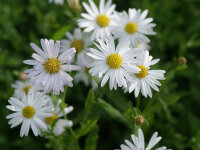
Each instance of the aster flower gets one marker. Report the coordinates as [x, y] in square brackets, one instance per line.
[24, 86]
[113, 63]
[83, 61]
[79, 40]
[146, 78]
[50, 66]
[57, 2]
[134, 26]
[30, 111]
[139, 143]
[60, 125]
[97, 21]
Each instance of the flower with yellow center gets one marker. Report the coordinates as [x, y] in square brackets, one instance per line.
[21, 87]
[30, 111]
[134, 26]
[131, 28]
[78, 45]
[79, 40]
[114, 61]
[103, 20]
[143, 73]
[98, 21]
[26, 89]
[49, 120]
[52, 65]
[146, 78]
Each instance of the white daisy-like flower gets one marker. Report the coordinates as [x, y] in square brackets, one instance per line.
[50, 67]
[146, 78]
[24, 86]
[30, 111]
[60, 125]
[113, 63]
[134, 26]
[139, 142]
[98, 21]
[57, 2]
[83, 76]
[79, 40]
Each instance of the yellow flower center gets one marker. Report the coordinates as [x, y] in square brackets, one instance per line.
[49, 120]
[102, 20]
[86, 69]
[78, 45]
[114, 61]
[28, 112]
[26, 89]
[131, 28]
[52, 65]
[143, 73]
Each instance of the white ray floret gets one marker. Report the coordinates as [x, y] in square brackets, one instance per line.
[146, 78]
[113, 63]
[138, 143]
[134, 26]
[50, 67]
[83, 75]
[98, 21]
[79, 40]
[30, 111]
[57, 114]
[25, 86]
[57, 2]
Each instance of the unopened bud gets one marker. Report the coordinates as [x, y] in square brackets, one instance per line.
[22, 76]
[182, 61]
[74, 4]
[139, 120]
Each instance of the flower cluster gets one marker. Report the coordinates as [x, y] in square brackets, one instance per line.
[113, 48]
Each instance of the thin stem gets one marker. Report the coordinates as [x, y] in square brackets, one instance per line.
[138, 101]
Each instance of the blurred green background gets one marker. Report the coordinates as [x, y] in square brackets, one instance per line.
[175, 115]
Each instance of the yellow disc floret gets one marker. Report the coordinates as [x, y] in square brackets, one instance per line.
[131, 28]
[86, 69]
[114, 61]
[26, 89]
[52, 65]
[143, 73]
[78, 45]
[28, 112]
[49, 120]
[102, 20]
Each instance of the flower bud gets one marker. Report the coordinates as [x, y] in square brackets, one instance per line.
[139, 120]
[22, 76]
[74, 4]
[182, 60]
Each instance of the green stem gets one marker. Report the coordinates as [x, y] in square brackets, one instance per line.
[138, 101]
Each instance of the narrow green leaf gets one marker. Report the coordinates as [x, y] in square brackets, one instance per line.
[113, 112]
[91, 140]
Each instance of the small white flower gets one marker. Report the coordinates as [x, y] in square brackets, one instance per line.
[97, 21]
[113, 62]
[25, 86]
[50, 66]
[30, 111]
[57, 2]
[139, 143]
[83, 61]
[80, 41]
[146, 78]
[134, 26]
[60, 125]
